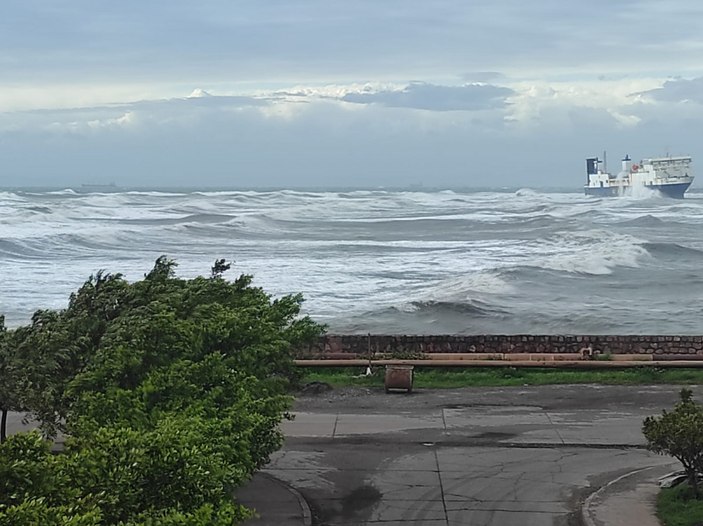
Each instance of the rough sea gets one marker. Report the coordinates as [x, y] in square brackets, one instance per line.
[402, 262]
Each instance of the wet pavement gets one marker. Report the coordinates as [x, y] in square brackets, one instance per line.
[628, 500]
[489, 456]
[274, 502]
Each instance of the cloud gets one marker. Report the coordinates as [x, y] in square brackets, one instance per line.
[482, 76]
[198, 93]
[92, 125]
[423, 96]
[224, 43]
[678, 90]
[92, 118]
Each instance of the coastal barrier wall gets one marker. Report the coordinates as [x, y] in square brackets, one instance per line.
[336, 346]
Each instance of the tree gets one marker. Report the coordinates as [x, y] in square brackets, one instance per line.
[171, 392]
[679, 433]
[23, 467]
[220, 267]
[10, 390]
[6, 374]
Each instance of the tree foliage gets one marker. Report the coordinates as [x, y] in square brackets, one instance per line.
[679, 433]
[8, 387]
[171, 392]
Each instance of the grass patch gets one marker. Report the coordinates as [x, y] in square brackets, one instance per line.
[343, 376]
[677, 507]
[438, 377]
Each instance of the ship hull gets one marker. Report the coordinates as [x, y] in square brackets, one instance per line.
[675, 191]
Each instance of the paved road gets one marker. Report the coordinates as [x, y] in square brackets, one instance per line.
[508, 456]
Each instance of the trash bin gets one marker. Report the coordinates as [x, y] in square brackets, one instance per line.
[399, 377]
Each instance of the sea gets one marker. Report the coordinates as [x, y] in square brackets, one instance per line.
[382, 261]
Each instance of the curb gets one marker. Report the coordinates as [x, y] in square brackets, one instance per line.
[585, 509]
[307, 514]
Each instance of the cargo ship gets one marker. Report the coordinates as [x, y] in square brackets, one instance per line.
[671, 176]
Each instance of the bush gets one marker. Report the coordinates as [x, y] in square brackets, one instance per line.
[679, 433]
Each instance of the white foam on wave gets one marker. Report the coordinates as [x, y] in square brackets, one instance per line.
[467, 285]
[146, 193]
[11, 196]
[65, 191]
[640, 192]
[461, 289]
[228, 193]
[594, 252]
[526, 192]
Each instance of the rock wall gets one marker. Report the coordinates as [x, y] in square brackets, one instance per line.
[361, 344]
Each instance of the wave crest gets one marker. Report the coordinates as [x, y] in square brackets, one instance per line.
[593, 252]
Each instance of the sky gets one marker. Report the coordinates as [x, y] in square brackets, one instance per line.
[331, 93]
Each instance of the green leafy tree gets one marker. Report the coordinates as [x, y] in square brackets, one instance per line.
[171, 392]
[7, 390]
[12, 369]
[23, 467]
[679, 433]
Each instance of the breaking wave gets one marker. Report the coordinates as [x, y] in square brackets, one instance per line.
[672, 249]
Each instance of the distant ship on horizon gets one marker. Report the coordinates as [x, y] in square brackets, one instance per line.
[671, 176]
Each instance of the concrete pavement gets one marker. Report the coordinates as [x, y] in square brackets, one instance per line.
[509, 456]
[628, 500]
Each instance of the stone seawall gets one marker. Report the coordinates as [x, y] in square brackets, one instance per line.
[361, 344]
